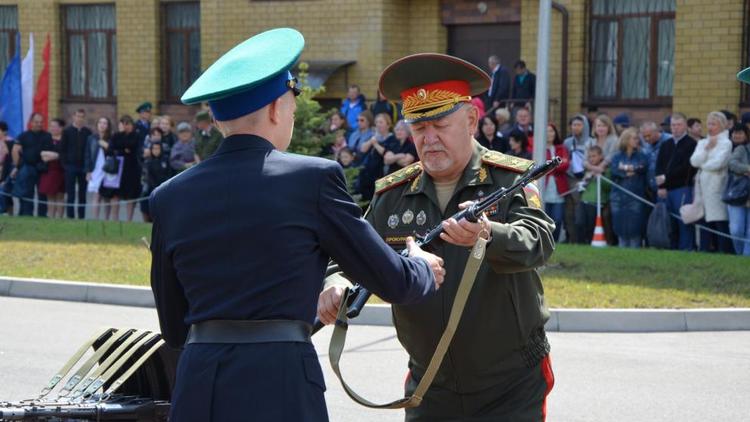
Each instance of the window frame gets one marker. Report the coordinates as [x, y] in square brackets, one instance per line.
[654, 100]
[66, 35]
[167, 98]
[12, 33]
[744, 88]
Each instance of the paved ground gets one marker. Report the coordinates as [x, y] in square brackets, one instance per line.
[600, 377]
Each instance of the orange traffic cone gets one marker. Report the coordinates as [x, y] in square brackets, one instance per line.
[599, 241]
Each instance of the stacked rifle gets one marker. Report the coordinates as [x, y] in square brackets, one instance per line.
[118, 374]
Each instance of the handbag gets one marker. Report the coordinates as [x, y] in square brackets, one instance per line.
[690, 213]
[111, 165]
[42, 167]
[737, 191]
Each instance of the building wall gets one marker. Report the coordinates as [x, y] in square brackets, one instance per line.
[708, 55]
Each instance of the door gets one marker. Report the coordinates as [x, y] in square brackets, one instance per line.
[475, 43]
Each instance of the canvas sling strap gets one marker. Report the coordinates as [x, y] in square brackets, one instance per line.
[73, 360]
[134, 367]
[118, 364]
[338, 338]
[86, 366]
[103, 366]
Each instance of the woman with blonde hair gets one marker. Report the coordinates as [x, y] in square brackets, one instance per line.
[711, 158]
[603, 135]
[628, 169]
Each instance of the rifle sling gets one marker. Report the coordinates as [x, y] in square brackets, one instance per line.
[109, 373]
[124, 377]
[338, 339]
[82, 386]
[86, 367]
[72, 361]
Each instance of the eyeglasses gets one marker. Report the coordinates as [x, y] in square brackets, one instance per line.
[292, 84]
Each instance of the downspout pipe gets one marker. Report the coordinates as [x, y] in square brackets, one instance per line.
[563, 69]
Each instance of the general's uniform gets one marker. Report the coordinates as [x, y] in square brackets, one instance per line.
[497, 366]
[244, 238]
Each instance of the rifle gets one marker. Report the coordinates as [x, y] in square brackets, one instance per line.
[358, 295]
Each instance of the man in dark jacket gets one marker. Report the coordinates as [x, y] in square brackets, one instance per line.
[27, 161]
[674, 178]
[73, 147]
[241, 291]
[524, 84]
[500, 86]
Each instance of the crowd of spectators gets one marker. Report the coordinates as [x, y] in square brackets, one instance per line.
[66, 165]
[675, 163]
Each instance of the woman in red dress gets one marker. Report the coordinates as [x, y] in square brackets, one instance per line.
[52, 181]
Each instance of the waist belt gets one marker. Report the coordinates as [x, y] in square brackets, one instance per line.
[244, 331]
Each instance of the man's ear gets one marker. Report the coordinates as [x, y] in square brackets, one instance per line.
[274, 110]
[473, 120]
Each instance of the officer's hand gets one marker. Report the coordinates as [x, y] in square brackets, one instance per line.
[328, 304]
[464, 232]
[436, 262]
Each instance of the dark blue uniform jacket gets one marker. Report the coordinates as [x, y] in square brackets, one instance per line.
[247, 234]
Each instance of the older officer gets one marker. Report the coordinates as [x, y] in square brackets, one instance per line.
[497, 366]
[240, 245]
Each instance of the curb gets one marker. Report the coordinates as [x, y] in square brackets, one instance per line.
[561, 320]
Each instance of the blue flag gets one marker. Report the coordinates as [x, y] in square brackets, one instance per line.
[11, 108]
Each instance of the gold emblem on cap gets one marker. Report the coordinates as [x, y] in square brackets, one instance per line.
[434, 101]
[422, 94]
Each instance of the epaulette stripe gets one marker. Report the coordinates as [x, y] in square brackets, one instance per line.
[398, 178]
[508, 162]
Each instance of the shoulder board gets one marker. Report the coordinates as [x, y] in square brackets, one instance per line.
[505, 161]
[398, 178]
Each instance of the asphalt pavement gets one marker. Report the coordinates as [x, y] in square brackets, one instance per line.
[692, 376]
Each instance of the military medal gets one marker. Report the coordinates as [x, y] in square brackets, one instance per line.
[393, 221]
[480, 194]
[408, 217]
[421, 218]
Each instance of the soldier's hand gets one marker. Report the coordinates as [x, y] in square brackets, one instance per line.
[464, 232]
[436, 262]
[328, 304]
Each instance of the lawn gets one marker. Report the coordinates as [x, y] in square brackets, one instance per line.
[576, 276]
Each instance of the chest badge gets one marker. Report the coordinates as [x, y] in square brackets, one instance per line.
[393, 221]
[421, 218]
[408, 217]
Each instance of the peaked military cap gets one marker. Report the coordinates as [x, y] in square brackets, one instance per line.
[744, 76]
[432, 85]
[250, 75]
[147, 106]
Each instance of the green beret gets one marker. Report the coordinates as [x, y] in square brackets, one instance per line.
[203, 116]
[147, 106]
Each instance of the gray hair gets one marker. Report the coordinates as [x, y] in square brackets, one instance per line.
[649, 125]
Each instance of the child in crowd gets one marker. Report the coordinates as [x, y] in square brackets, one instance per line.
[157, 171]
[154, 135]
[587, 207]
[345, 158]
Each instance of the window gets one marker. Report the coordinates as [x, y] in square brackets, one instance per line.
[631, 51]
[745, 98]
[182, 52]
[90, 52]
[8, 30]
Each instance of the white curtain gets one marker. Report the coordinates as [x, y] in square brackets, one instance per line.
[666, 58]
[635, 57]
[183, 71]
[605, 59]
[8, 26]
[90, 71]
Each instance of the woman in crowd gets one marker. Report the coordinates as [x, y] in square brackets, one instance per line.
[488, 135]
[556, 182]
[711, 158]
[94, 161]
[739, 165]
[360, 136]
[373, 150]
[604, 136]
[52, 181]
[628, 168]
[168, 137]
[183, 156]
[519, 145]
[335, 122]
[124, 147]
[400, 149]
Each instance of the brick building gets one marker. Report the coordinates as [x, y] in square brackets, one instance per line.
[644, 56]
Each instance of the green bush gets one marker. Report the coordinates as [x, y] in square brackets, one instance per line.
[308, 139]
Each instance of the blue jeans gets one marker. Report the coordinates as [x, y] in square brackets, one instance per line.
[683, 235]
[23, 188]
[75, 176]
[739, 226]
[557, 213]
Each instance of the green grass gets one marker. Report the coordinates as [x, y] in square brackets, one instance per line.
[576, 276]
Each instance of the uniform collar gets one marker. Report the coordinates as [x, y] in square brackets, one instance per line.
[243, 142]
[476, 173]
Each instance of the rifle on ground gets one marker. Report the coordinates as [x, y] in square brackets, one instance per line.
[358, 295]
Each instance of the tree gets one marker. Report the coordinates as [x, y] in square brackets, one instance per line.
[308, 139]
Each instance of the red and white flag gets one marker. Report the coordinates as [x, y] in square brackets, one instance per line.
[41, 97]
